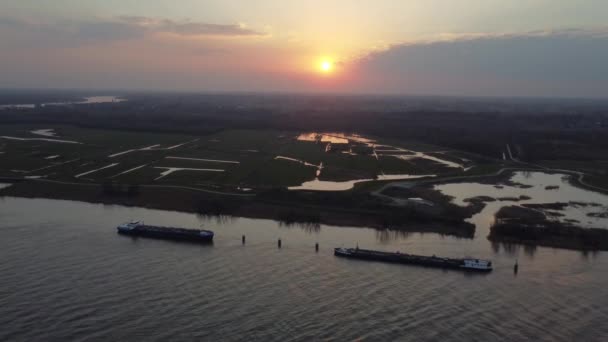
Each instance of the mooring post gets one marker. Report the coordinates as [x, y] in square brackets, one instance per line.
[279, 243]
[515, 267]
[243, 239]
[316, 247]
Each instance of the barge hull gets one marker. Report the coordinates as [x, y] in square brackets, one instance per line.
[409, 259]
[167, 233]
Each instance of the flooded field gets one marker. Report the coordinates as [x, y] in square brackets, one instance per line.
[584, 207]
[248, 159]
[364, 146]
[319, 185]
[334, 138]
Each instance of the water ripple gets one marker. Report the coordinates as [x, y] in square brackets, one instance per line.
[62, 280]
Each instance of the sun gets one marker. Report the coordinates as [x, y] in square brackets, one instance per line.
[326, 66]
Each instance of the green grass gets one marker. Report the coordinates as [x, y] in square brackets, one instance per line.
[254, 149]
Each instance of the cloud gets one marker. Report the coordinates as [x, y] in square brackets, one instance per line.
[562, 63]
[188, 28]
[71, 33]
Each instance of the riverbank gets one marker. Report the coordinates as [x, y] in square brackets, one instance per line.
[530, 226]
[413, 206]
[501, 176]
[309, 209]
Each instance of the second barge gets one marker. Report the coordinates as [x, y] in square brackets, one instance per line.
[467, 264]
[170, 233]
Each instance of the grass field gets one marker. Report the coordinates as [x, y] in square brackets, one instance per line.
[228, 159]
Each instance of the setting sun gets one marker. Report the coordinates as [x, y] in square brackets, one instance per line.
[326, 66]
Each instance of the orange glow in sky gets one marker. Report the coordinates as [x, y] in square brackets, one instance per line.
[326, 66]
[382, 46]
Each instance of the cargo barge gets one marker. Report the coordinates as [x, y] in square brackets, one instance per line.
[466, 264]
[170, 233]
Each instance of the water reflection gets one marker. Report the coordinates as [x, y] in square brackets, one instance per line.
[319, 185]
[589, 254]
[333, 138]
[307, 227]
[513, 249]
[531, 188]
[65, 266]
[218, 219]
[386, 236]
[530, 250]
[135, 240]
[370, 148]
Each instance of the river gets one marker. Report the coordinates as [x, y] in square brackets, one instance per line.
[67, 275]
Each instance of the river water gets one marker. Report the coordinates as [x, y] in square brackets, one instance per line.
[582, 203]
[67, 276]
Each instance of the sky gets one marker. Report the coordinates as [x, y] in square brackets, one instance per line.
[556, 48]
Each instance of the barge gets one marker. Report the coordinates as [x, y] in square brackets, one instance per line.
[170, 233]
[466, 264]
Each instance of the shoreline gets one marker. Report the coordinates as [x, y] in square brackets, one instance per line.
[575, 178]
[307, 209]
[261, 206]
[531, 225]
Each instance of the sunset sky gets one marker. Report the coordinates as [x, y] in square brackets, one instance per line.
[444, 47]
